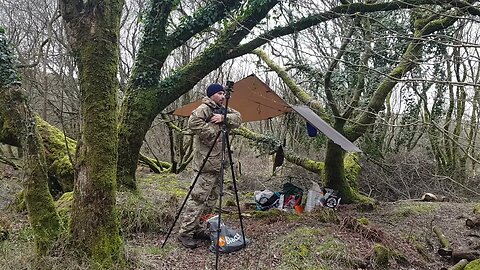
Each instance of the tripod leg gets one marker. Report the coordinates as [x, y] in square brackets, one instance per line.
[222, 173]
[235, 189]
[191, 188]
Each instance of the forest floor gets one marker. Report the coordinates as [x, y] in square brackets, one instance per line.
[349, 238]
[292, 241]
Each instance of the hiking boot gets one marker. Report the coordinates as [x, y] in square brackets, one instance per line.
[201, 235]
[188, 242]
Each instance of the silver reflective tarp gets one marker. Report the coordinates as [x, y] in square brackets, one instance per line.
[325, 128]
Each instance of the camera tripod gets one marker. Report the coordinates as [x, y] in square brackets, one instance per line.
[223, 133]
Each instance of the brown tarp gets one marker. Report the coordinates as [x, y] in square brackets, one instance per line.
[256, 101]
[252, 98]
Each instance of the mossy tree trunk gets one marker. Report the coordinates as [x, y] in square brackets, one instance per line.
[147, 96]
[93, 30]
[17, 116]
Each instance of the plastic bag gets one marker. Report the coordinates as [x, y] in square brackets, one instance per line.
[325, 197]
[230, 240]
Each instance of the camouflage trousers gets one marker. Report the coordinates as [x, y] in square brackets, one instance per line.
[202, 200]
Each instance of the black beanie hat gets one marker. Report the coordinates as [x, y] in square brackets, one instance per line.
[213, 88]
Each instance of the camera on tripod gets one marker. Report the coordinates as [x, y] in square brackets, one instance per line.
[228, 89]
[229, 86]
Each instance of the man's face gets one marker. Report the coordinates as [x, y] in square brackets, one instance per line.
[219, 97]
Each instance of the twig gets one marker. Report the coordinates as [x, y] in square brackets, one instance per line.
[7, 161]
[441, 237]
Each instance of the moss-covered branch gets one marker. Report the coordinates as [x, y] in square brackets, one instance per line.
[269, 144]
[42, 215]
[214, 55]
[59, 151]
[201, 19]
[155, 165]
[156, 44]
[300, 93]
[335, 12]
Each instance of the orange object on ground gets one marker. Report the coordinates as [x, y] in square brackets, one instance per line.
[298, 209]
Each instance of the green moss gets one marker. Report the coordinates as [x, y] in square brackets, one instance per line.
[64, 208]
[381, 256]
[332, 249]
[298, 250]
[250, 194]
[63, 170]
[364, 203]
[352, 169]
[295, 217]
[343, 177]
[315, 166]
[168, 183]
[156, 250]
[406, 210]
[138, 214]
[153, 207]
[473, 265]
[476, 208]
[363, 220]
[40, 206]
[46, 223]
[26, 234]
[107, 251]
[60, 149]
[325, 215]
[136, 115]
[310, 248]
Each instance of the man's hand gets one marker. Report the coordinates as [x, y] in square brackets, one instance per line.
[216, 118]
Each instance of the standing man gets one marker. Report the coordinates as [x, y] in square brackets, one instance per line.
[206, 122]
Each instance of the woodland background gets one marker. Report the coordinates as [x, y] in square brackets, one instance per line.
[87, 87]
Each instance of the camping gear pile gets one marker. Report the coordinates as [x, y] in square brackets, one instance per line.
[291, 198]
